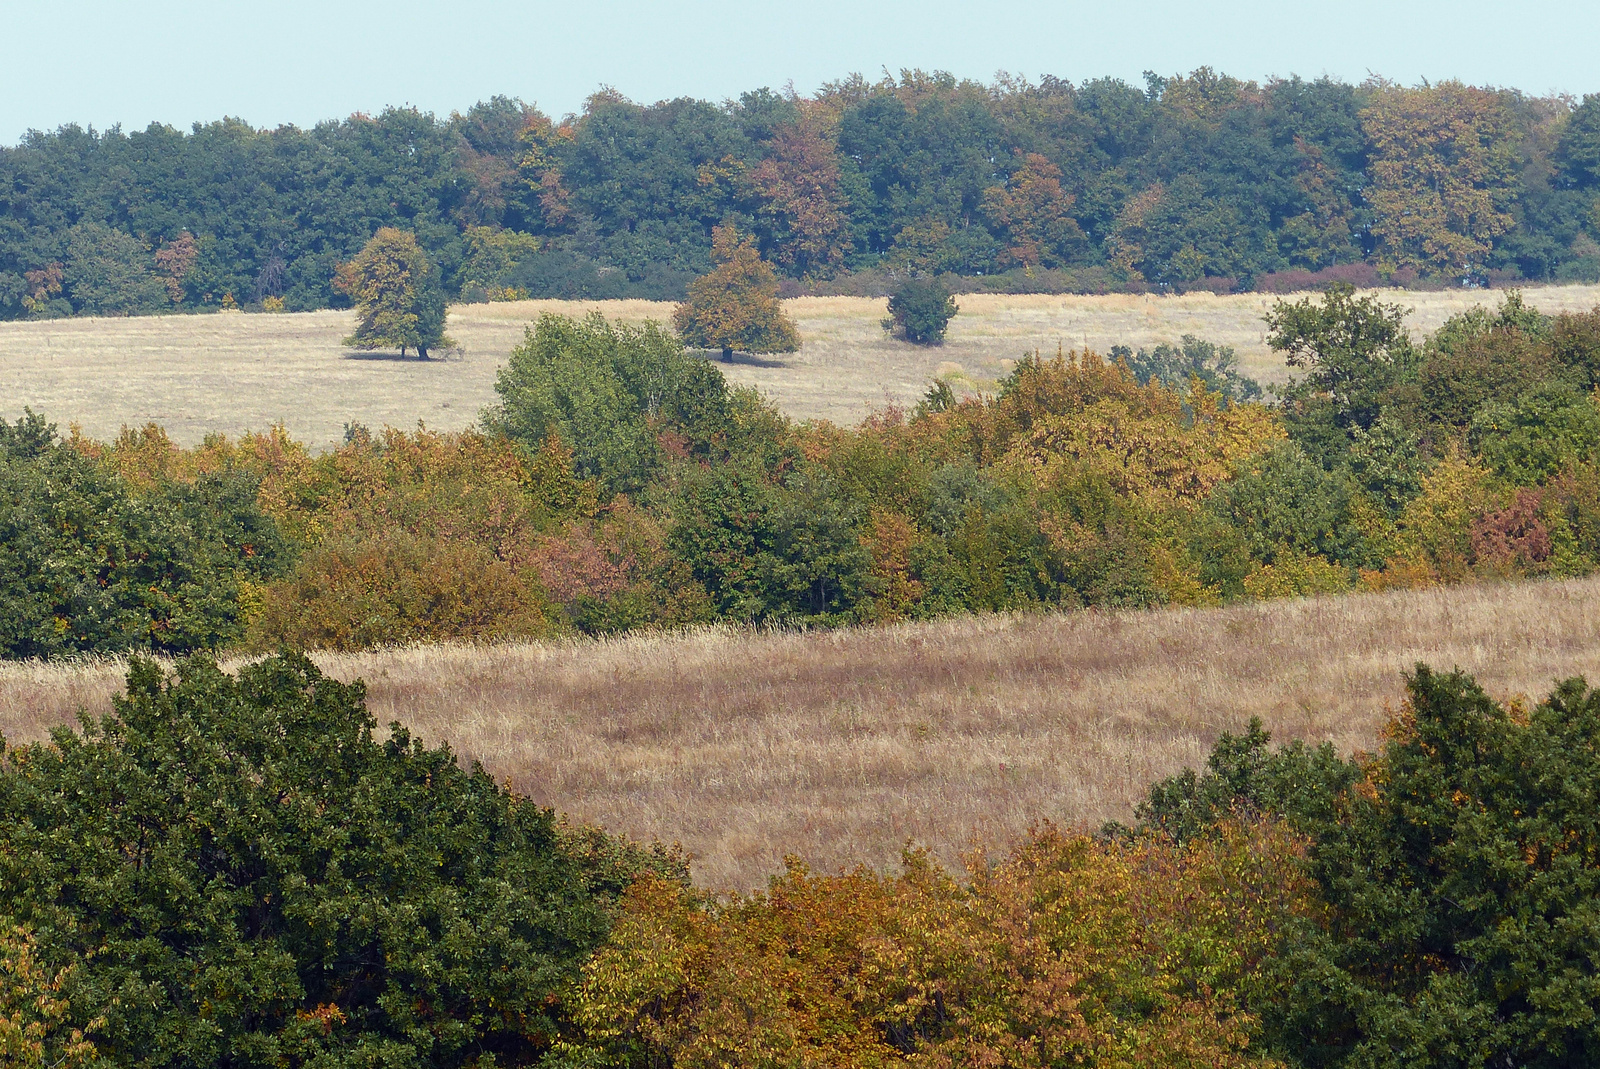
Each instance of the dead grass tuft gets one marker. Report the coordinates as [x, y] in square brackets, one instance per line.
[843, 746]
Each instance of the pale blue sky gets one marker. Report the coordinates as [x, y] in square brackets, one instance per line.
[296, 61]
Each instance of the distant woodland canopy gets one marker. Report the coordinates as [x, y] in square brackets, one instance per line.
[1194, 181]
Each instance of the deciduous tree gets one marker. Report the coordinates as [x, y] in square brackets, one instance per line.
[397, 294]
[1443, 174]
[736, 305]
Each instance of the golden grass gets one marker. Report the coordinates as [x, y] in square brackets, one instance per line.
[232, 372]
[841, 746]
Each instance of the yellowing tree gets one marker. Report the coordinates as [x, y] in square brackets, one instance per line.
[736, 305]
[397, 295]
[1443, 170]
[1034, 213]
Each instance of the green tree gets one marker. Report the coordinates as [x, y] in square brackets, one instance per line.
[736, 306]
[920, 310]
[399, 300]
[614, 392]
[1354, 350]
[88, 565]
[244, 875]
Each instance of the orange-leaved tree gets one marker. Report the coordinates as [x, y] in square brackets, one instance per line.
[1068, 951]
[736, 305]
[397, 295]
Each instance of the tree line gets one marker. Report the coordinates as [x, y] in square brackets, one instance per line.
[620, 482]
[1197, 180]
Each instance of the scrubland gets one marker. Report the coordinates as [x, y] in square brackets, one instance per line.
[231, 373]
[842, 746]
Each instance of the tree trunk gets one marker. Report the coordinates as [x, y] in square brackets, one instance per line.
[727, 353]
[422, 351]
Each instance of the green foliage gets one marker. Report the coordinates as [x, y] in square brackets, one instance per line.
[920, 310]
[777, 551]
[1217, 367]
[1461, 878]
[1354, 349]
[243, 875]
[107, 272]
[1284, 502]
[1243, 778]
[612, 391]
[398, 298]
[89, 565]
[1189, 181]
[1458, 869]
[1536, 435]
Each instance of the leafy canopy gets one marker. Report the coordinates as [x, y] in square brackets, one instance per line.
[245, 875]
[398, 296]
[920, 310]
[735, 307]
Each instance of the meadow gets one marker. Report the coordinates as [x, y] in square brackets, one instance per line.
[232, 372]
[841, 747]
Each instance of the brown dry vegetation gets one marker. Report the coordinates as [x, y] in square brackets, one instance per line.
[233, 372]
[841, 746]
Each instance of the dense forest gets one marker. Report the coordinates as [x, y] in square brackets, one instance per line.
[1191, 181]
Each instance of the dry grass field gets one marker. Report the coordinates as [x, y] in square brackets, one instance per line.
[235, 372]
[842, 746]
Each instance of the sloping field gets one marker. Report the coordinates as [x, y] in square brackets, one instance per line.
[842, 746]
[235, 372]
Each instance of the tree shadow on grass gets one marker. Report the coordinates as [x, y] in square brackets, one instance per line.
[409, 358]
[748, 359]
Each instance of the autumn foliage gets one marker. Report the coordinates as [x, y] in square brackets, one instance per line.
[1069, 950]
[736, 306]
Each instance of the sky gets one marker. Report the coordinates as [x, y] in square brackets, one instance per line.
[294, 61]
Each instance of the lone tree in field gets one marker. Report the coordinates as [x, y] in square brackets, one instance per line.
[736, 305]
[397, 295]
[920, 310]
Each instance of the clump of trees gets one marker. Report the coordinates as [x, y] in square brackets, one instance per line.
[398, 298]
[735, 307]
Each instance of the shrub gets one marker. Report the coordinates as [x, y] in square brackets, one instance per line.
[920, 310]
[243, 875]
[392, 589]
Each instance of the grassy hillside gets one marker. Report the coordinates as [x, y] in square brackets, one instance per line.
[842, 746]
[232, 372]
